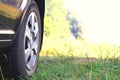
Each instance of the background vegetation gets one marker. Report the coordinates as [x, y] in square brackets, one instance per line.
[65, 57]
[59, 38]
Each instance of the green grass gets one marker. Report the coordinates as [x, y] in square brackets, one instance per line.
[74, 68]
[71, 59]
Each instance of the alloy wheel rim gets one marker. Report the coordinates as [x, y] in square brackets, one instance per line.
[31, 41]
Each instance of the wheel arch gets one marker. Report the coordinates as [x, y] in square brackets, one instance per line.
[41, 6]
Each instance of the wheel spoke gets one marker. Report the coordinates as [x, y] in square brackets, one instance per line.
[27, 54]
[29, 65]
[32, 20]
[35, 45]
[35, 31]
[32, 60]
[28, 33]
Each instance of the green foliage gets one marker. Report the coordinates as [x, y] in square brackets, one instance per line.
[74, 68]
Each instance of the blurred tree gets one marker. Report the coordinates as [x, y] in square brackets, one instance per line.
[49, 7]
[55, 23]
[75, 25]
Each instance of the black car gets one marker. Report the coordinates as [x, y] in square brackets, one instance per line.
[21, 34]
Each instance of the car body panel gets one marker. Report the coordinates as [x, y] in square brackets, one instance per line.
[11, 16]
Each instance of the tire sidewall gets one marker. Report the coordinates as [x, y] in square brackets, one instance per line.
[20, 40]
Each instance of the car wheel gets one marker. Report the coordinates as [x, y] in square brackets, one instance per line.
[23, 57]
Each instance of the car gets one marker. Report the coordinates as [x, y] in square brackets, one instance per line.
[21, 35]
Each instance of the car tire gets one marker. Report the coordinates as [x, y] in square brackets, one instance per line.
[24, 53]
